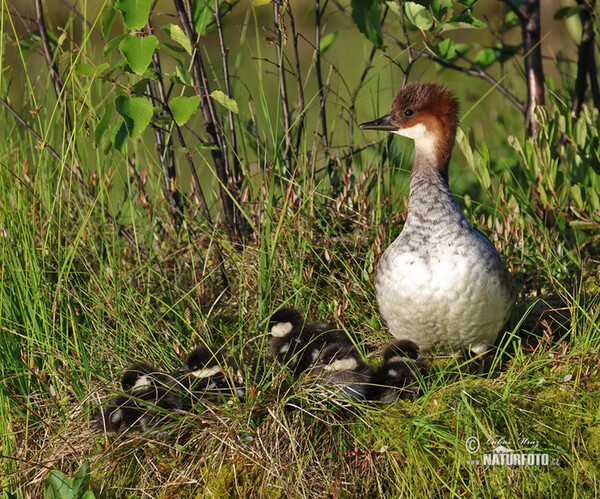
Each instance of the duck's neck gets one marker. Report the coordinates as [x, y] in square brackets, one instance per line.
[430, 199]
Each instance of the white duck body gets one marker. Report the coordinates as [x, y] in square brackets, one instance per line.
[441, 283]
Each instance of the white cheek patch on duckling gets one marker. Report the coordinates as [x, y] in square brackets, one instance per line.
[342, 365]
[398, 358]
[206, 373]
[284, 348]
[141, 382]
[281, 329]
[392, 372]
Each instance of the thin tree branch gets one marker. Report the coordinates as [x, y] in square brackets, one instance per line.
[237, 173]
[277, 19]
[322, 96]
[211, 124]
[298, 76]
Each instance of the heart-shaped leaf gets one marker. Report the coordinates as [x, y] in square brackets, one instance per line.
[418, 15]
[183, 108]
[138, 51]
[58, 486]
[135, 12]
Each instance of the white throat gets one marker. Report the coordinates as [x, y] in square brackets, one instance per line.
[425, 140]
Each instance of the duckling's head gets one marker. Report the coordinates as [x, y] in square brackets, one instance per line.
[285, 321]
[204, 362]
[425, 112]
[404, 349]
[340, 357]
[137, 376]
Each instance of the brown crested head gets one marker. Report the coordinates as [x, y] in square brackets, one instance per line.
[418, 105]
[432, 105]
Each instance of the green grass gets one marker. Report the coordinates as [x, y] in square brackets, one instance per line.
[78, 304]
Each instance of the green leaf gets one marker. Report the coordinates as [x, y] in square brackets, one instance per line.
[58, 486]
[327, 41]
[206, 145]
[511, 21]
[418, 15]
[113, 44]
[177, 35]
[183, 108]
[464, 21]
[88, 495]
[202, 16]
[109, 14]
[81, 480]
[260, 2]
[118, 136]
[565, 12]
[225, 101]
[138, 51]
[135, 12]
[394, 7]
[183, 76]
[136, 111]
[485, 57]
[365, 14]
[175, 51]
[101, 128]
[444, 50]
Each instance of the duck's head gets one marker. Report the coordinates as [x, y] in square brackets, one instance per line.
[425, 112]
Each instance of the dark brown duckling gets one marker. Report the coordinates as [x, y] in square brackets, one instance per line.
[403, 374]
[296, 343]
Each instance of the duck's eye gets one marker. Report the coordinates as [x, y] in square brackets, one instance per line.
[408, 112]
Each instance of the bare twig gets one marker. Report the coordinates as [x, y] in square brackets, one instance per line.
[322, 96]
[165, 149]
[475, 70]
[237, 173]
[532, 48]
[211, 123]
[277, 20]
[298, 76]
[586, 46]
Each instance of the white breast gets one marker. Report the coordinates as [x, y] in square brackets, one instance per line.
[445, 299]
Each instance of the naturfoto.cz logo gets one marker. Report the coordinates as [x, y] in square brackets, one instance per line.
[502, 455]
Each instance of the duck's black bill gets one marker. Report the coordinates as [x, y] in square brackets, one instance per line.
[383, 123]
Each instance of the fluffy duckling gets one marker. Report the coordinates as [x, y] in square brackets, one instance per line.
[143, 381]
[124, 415]
[296, 343]
[209, 373]
[402, 374]
[342, 366]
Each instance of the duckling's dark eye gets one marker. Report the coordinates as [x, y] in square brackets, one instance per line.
[408, 112]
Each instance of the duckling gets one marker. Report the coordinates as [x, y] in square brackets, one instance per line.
[441, 283]
[342, 366]
[296, 343]
[402, 375]
[143, 381]
[124, 415]
[209, 373]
